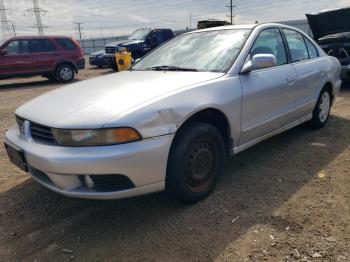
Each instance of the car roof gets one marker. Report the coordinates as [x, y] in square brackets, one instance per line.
[37, 37]
[242, 26]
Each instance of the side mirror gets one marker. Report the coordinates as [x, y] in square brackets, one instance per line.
[259, 61]
[3, 52]
[137, 60]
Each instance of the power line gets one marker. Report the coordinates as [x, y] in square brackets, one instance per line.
[37, 12]
[5, 23]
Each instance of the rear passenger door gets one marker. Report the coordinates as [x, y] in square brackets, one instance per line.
[268, 94]
[307, 64]
[44, 55]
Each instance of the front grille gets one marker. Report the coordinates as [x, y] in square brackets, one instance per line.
[110, 49]
[42, 134]
[110, 183]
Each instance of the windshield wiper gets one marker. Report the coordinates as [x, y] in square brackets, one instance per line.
[171, 68]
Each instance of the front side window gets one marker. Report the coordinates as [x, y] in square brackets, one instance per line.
[13, 48]
[270, 41]
[297, 46]
[311, 48]
[212, 51]
[157, 35]
[18, 47]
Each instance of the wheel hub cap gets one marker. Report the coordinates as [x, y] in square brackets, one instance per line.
[324, 107]
[66, 73]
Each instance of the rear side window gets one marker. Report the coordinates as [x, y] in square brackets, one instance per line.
[41, 46]
[66, 44]
[311, 48]
[270, 41]
[297, 46]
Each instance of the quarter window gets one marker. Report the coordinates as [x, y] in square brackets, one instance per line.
[66, 44]
[297, 46]
[312, 49]
[270, 41]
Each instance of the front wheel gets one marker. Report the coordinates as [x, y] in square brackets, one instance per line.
[195, 162]
[322, 109]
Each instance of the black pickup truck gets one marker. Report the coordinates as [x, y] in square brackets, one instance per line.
[331, 29]
[138, 43]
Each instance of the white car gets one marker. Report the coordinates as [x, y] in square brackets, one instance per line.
[168, 122]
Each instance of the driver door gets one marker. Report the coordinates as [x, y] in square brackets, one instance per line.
[18, 60]
[269, 93]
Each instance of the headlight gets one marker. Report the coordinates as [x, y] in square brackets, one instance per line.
[95, 137]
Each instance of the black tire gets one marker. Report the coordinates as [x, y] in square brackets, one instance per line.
[114, 65]
[64, 73]
[195, 162]
[322, 109]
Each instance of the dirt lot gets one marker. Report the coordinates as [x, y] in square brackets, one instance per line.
[287, 199]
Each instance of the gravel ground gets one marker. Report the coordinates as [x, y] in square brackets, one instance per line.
[286, 199]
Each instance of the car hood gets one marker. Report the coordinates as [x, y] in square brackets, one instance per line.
[329, 22]
[97, 53]
[124, 43]
[93, 103]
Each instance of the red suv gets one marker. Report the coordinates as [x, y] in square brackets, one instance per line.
[57, 58]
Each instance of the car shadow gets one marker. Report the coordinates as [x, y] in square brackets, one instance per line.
[256, 183]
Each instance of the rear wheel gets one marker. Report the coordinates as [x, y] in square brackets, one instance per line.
[65, 73]
[195, 162]
[321, 112]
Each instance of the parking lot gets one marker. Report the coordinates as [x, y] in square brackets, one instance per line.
[286, 199]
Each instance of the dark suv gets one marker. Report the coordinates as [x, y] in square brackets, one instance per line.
[57, 58]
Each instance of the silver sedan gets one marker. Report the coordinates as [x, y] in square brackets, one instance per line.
[169, 121]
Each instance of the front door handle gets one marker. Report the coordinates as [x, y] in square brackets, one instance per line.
[291, 79]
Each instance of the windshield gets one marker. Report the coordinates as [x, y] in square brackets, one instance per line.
[212, 51]
[2, 42]
[139, 34]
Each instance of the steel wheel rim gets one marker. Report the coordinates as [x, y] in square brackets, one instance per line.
[66, 73]
[324, 107]
[200, 166]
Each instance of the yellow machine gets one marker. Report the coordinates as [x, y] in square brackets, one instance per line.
[123, 60]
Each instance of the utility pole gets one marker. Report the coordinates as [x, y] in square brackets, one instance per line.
[79, 28]
[190, 20]
[231, 6]
[5, 23]
[37, 12]
[13, 29]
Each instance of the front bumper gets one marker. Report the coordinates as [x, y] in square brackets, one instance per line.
[60, 169]
[81, 64]
[345, 72]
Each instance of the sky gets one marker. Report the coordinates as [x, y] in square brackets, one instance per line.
[103, 18]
